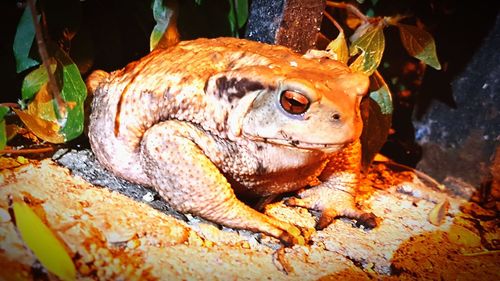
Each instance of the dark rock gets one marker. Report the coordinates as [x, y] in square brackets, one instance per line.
[84, 164]
[291, 23]
[461, 142]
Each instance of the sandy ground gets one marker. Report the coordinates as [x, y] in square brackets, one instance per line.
[111, 236]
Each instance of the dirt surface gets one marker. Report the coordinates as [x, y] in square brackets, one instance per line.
[113, 236]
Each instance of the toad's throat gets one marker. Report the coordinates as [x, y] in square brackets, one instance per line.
[326, 147]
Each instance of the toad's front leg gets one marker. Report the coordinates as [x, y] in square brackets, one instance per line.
[335, 196]
[189, 181]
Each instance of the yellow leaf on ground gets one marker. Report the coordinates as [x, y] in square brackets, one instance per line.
[41, 240]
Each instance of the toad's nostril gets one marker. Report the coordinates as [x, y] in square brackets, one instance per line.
[336, 117]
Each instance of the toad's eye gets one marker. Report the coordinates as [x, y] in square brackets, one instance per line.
[294, 102]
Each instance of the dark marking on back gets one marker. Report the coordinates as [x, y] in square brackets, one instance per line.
[221, 86]
[234, 88]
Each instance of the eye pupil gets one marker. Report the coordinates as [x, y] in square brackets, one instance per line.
[294, 102]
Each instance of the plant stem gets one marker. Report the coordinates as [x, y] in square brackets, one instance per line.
[42, 50]
[10, 104]
[27, 150]
[351, 8]
[421, 175]
[337, 25]
[323, 36]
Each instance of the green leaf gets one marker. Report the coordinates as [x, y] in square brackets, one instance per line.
[73, 92]
[242, 12]
[370, 13]
[380, 93]
[338, 48]
[370, 47]
[198, 2]
[163, 15]
[238, 15]
[23, 40]
[3, 132]
[34, 81]
[376, 112]
[43, 115]
[3, 111]
[419, 44]
[42, 242]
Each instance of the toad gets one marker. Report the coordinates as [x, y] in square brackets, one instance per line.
[209, 119]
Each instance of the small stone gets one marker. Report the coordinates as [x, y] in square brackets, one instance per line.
[119, 236]
[148, 197]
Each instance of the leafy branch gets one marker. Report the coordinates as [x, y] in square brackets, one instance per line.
[52, 94]
[369, 43]
[44, 55]
[364, 54]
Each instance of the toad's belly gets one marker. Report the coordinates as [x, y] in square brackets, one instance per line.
[274, 170]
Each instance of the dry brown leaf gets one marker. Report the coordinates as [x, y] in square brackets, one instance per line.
[437, 214]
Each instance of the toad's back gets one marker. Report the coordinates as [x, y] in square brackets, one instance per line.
[172, 84]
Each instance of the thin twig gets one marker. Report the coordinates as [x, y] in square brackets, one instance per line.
[337, 25]
[353, 9]
[419, 174]
[481, 253]
[42, 50]
[10, 104]
[27, 150]
[323, 36]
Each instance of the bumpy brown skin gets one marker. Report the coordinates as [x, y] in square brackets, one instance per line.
[202, 120]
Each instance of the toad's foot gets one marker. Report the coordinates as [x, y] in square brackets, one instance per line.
[332, 202]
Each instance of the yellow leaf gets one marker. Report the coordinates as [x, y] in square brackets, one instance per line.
[370, 47]
[42, 242]
[43, 105]
[461, 235]
[22, 160]
[40, 117]
[338, 48]
[43, 129]
[360, 30]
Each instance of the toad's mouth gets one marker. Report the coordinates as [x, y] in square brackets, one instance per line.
[325, 147]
